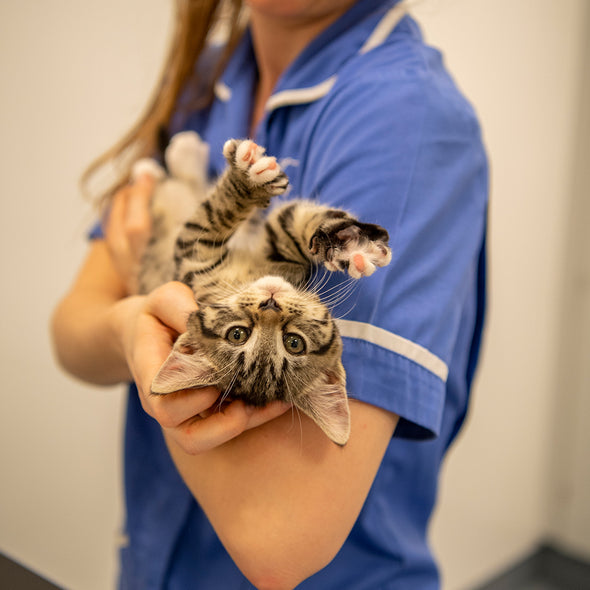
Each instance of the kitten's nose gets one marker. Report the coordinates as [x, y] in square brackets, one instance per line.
[269, 304]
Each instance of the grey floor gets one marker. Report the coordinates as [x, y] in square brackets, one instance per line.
[15, 577]
[546, 569]
[541, 586]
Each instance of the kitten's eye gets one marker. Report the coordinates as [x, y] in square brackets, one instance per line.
[237, 335]
[294, 343]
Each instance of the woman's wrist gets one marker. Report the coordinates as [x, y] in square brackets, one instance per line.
[119, 323]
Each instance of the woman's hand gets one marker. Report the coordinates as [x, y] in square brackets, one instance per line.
[193, 419]
[128, 229]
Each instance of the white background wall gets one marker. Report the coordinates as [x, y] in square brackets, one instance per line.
[75, 74]
[520, 470]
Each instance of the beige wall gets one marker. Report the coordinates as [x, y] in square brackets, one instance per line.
[76, 73]
[570, 465]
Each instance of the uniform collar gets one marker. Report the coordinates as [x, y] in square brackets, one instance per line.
[314, 72]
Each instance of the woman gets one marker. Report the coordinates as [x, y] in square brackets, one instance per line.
[363, 116]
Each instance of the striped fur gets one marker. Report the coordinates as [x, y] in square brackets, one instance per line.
[259, 334]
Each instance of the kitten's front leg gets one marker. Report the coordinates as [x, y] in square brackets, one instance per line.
[250, 181]
[302, 233]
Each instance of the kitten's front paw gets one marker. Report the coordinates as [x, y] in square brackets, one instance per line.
[262, 172]
[349, 245]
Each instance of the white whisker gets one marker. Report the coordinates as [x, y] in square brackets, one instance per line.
[340, 295]
[294, 409]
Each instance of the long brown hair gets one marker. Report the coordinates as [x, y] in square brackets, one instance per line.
[194, 22]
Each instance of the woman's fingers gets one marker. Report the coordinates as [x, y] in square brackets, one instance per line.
[196, 419]
[128, 228]
[172, 410]
[163, 317]
[222, 424]
[114, 229]
[172, 304]
[138, 221]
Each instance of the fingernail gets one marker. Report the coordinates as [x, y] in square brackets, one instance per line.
[145, 178]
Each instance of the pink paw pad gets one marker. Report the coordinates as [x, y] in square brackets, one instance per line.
[264, 170]
[362, 260]
[359, 262]
[248, 153]
[360, 265]
[270, 165]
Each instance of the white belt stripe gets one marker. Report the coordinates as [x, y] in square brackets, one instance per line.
[402, 346]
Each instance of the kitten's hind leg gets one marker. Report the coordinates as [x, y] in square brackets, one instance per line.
[187, 158]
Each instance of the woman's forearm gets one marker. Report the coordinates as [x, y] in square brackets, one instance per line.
[86, 323]
[86, 340]
[283, 497]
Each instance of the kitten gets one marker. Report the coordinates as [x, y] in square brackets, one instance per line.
[259, 334]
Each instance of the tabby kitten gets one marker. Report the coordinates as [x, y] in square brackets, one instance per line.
[258, 335]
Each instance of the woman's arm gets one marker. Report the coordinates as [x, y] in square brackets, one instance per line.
[85, 325]
[84, 330]
[104, 337]
[283, 498]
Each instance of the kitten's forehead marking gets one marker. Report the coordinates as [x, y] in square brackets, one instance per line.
[299, 313]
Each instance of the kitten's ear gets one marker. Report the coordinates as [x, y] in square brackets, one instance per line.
[186, 367]
[327, 406]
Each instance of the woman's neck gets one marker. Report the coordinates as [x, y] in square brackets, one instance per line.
[277, 42]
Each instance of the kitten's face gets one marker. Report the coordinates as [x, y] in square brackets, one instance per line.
[266, 342]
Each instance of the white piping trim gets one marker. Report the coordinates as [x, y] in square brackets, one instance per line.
[313, 93]
[222, 91]
[384, 27]
[402, 346]
[300, 95]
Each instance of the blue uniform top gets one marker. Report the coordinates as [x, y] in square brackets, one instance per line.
[365, 119]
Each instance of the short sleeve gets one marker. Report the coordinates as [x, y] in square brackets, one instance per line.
[401, 147]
